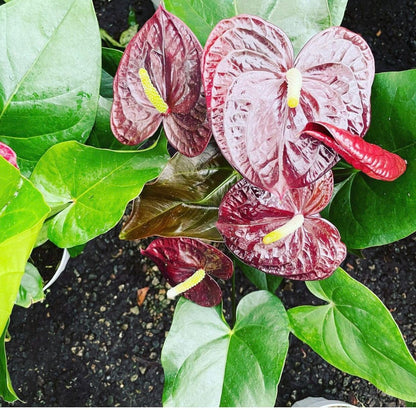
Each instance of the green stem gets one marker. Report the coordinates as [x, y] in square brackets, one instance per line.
[233, 301]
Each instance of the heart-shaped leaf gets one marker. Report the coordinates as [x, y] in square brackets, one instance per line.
[48, 83]
[184, 200]
[356, 333]
[6, 388]
[310, 17]
[31, 287]
[208, 364]
[261, 280]
[91, 187]
[368, 212]
[22, 212]
[249, 72]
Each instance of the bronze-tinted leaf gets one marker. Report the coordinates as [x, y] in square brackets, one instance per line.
[184, 200]
[169, 53]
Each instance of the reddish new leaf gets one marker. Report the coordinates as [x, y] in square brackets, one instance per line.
[312, 251]
[159, 81]
[245, 64]
[8, 154]
[179, 258]
[371, 159]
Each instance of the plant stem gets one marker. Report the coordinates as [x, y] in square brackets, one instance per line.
[233, 300]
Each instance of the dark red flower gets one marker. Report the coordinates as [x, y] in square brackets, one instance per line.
[261, 97]
[8, 154]
[282, 236]
[189, 265]
[159, 80]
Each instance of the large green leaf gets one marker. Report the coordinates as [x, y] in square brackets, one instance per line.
[31, 287]
[261, 280]
[300, 19]
[184, 200]
[357, 334]
[208, 364]
[369, 212]
[22, 212]
[50, 65]
[91, 187]
[6, 388]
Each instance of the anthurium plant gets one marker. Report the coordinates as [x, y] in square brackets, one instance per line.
[245, 141]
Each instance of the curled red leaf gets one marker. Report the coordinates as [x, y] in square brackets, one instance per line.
[245, 66]
[8, 154]
[159, 80]
[369, 158]
[179, 258]
[311, 251]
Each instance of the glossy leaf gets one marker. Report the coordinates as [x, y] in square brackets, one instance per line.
[248, 215]
[368, 212]
[6, 388]
[184, 200]
[207, 364]
[110, 61]
[91, 187]
[371, 159]
[245, 63]
[180, 258]
[310, 17]
[261, 280]
[201, 16]
[31, 287]
[159, 81]
[48, 82]
[356, 333]
[22, 212]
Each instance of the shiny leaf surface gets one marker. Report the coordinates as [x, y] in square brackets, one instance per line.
[368, 212]
[208, 364]
[170, 54]
[244, 69]
[6, 388]
[91, 187]
[48, 83]
[179, 258]
[22, 212]
[356, 333]
[184, 200]
[31, 287]
[313, 251]
[310, 17]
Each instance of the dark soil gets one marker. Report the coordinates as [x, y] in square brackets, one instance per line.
[90, 344]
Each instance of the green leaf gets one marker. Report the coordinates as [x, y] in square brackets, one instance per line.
[357, 334]
[298, 18]
[92, 186]
[368, 212]
[184, 200]
[110, 61]
[260, 279]
[208, 364]
[201, 16]
[6, 388]
[31, 287]
[50, 55]
[22, 212]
